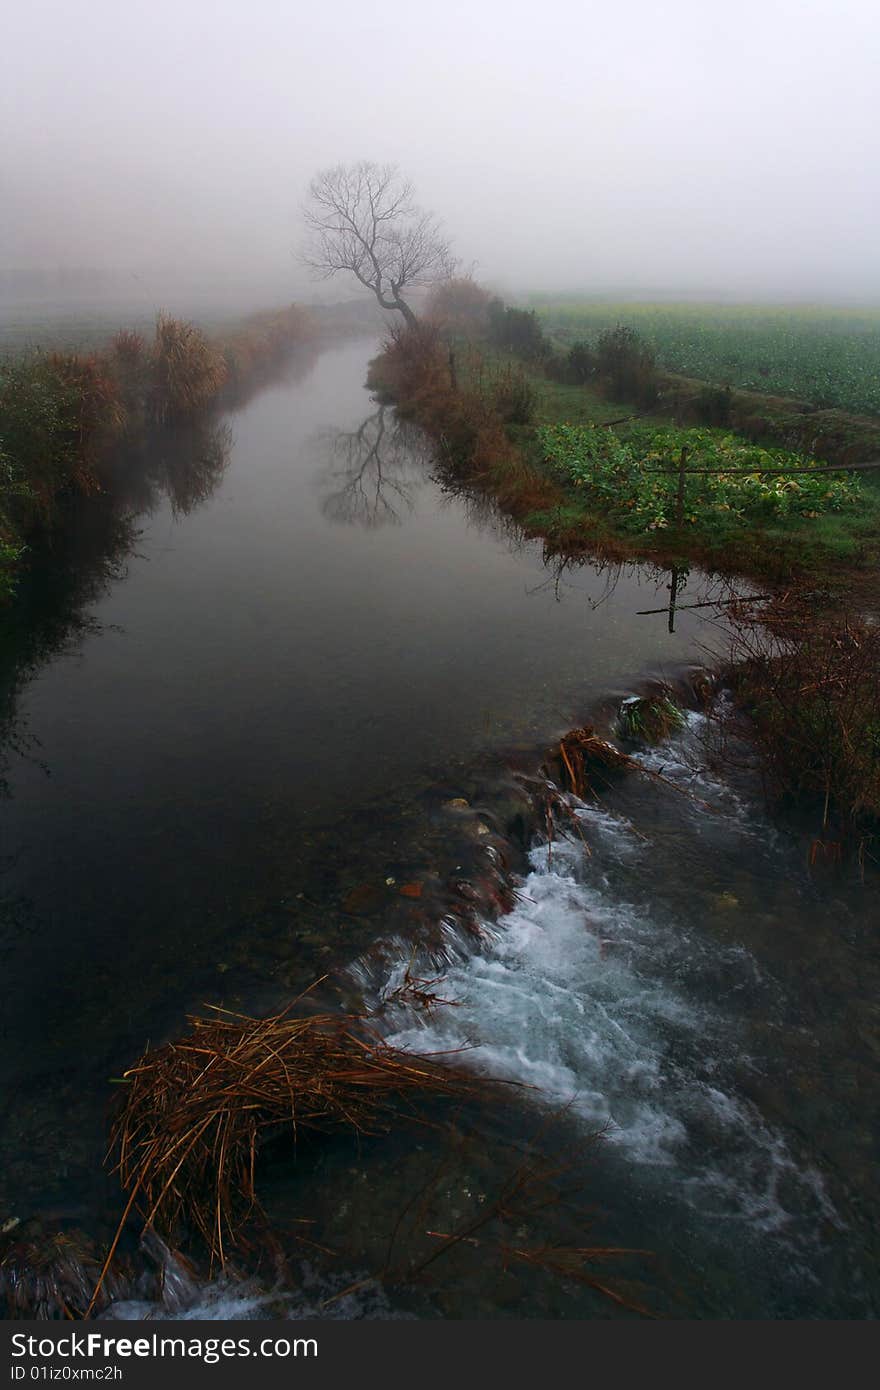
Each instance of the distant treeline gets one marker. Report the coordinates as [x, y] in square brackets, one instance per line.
[62, 413]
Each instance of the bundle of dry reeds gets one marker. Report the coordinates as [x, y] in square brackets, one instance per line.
[581, 748]
[196, 1110]
[582, 756]
[189, 370]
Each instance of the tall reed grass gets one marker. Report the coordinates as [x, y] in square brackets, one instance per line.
[188, 371]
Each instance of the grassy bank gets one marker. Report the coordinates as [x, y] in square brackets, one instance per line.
[62, 412]
[593, 464]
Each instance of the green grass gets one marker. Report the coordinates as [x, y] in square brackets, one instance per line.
[829, 357]
[647, 719]
[576, 405]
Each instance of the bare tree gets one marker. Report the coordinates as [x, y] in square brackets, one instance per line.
[362, 218]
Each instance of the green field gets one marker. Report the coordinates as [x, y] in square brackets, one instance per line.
[827, 356]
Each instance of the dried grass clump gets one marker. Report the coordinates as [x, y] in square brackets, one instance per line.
[196, 1111]
[580, 764]
[582, 749]
[189, 371]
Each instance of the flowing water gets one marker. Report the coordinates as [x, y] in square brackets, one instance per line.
[231, 728]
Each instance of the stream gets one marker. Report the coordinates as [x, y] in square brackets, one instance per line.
[236, 714]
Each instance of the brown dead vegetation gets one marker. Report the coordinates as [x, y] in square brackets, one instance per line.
[189, 371]
[808, 680]
[197, 1110]
[469, 412]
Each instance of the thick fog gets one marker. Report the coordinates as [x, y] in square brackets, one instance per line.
[683, 147]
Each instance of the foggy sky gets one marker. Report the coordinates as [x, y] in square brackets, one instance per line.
[686, 144]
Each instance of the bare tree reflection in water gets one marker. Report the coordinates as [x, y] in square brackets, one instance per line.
[374, 472]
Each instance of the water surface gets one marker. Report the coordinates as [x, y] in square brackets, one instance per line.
[225, 714]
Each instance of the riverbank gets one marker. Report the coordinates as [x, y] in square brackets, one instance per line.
[67, 415]
[589, 474]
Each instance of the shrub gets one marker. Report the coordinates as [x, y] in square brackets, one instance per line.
[12, 490]
[98, 409]
[38, 435]
[581, 363]
[517, 331]
[712, 405]
[59, 411]
[55, 411]
[460, 307]
[626, 365]
[574, 367]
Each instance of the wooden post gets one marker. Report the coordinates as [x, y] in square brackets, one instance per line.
[673, 597]
[679, 501]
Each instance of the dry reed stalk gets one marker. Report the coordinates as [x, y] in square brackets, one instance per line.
[581, 748]
[189, 370]
[808, 679]
[196, 1110]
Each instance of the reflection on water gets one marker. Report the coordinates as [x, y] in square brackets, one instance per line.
[71, 569]
[373, 472]
[190, 465]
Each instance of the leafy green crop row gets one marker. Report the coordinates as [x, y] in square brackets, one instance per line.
[625, 478]
[830, 357]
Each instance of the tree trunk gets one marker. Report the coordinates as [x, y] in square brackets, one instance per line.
[395, 303]
[409, 316]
